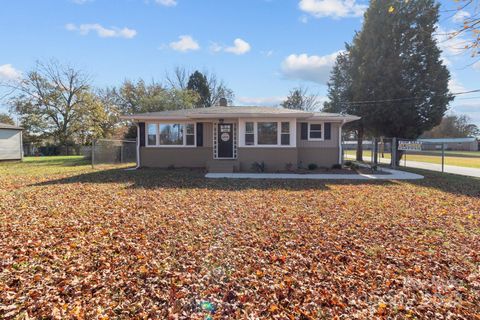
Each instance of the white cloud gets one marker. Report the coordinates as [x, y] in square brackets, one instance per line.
[468, 106]
[184, 44]
[260, 101]
[303, 19]
[268, 101]
[460, 16]
[101, 31]
[332, 8]
[215, 47]
[9, 73]
[268, 53]
[239, 47]
[167, 3]
[81, 1]
[449, 44]
[310, 68]
[476, 65]
[456, 86]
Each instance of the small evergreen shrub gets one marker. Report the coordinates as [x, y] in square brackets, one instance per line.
[312, 166]
[258, 166]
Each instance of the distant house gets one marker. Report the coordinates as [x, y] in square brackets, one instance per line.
[10, 142]
[455, 144]
[226, 139]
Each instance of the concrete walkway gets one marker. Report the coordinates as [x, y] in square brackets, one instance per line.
[464, 171]
[394, 175]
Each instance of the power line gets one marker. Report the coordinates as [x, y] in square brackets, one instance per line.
[403, 99]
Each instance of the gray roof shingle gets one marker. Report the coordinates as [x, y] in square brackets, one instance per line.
[237, 111]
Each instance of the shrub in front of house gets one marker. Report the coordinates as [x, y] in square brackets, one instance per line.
[259, 167]
[312, 166]
[352, 165]
[337, 166]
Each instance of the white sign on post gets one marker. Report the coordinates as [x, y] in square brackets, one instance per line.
[410, 145]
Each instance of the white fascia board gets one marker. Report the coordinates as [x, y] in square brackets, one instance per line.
[152, 118]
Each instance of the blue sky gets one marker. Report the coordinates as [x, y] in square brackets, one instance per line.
[261, 48]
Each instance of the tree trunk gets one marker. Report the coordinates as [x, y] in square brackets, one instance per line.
[398, 153]
[399, 157]
[375, 150]
[360, 144]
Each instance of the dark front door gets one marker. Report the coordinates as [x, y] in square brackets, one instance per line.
[225, 140]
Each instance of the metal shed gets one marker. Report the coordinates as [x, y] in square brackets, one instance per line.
[10, 142]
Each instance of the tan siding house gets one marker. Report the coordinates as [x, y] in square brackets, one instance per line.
[10, 142]
[231, 139]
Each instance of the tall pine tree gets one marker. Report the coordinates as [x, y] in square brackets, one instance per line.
[198, 83]
[395, 61]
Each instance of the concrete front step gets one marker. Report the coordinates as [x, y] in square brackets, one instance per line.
[221, 166]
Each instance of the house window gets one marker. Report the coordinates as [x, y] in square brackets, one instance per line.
[315, 131]
[190, 132]
[267, 133]
[285, 134]
[152, 134]
[249, 134]
[171, 134]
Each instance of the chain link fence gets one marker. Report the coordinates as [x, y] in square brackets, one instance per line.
[107, 151]
[460, 156]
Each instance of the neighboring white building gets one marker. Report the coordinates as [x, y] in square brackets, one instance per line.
[10, 142]
[456, 144]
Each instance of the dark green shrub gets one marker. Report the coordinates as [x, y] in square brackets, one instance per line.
[300, 165]
[289, 167]
[258, 166]
[312, 166]
[337, 166]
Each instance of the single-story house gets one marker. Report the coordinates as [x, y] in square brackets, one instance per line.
[10, 142]
[229, 138]
[454, 144]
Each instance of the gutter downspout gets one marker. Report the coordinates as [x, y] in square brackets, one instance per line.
[138, 146]
[340, 147]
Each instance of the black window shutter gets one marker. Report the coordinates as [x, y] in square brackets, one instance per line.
[328, 131]
[141, 126]
[199, 134]
[304, 131]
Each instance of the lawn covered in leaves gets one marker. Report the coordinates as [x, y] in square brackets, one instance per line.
[151, 244]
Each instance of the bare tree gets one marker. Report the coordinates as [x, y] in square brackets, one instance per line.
[467, 14]
[299, 98]
[52, 99]
[217, 87]
[179, 78]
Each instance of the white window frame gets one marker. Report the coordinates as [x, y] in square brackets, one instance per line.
[184, 128]
[252, 133]
[289, 132]
[293, 132]
[156, 134]
[323, 131]
[255, 132]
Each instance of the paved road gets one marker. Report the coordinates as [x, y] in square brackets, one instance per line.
[464, 171]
